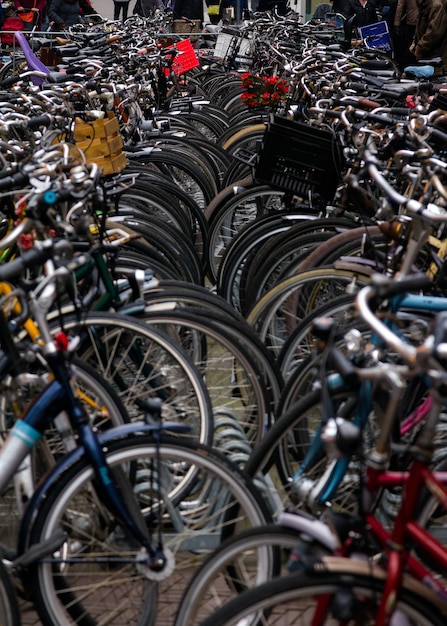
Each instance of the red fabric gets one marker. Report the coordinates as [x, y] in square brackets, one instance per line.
[11, 24]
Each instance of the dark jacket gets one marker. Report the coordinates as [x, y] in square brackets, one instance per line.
[64, 13]
[191, 9]
[270, 5]
[338, 6]
[407, 8]
[364, 15]
[147, 7]
[431, 30]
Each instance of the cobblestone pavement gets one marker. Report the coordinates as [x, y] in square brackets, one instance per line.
[29, 617]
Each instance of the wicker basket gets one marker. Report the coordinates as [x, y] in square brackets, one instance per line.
[101, 143]
[183, 27]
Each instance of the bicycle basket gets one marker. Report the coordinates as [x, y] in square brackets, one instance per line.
[298, 158]
[185, 60]
[230, 45]
[101, 143]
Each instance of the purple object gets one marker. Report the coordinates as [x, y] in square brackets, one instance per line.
[33, 62]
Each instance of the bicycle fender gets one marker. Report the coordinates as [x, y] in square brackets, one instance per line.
[119, 432]
[311, 526]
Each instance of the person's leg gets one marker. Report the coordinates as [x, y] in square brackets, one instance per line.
[116, 10]
[125, 6]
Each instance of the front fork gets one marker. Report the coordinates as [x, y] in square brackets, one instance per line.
[25, 434]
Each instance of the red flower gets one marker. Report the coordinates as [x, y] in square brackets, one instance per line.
[263, 90]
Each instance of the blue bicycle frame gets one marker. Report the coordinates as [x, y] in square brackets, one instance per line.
[26, 432]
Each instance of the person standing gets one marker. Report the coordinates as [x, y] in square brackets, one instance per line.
[145, 8]
[405, 20]
[363, 11]
[36, 6]
[64, 13]
[120, 8]
[188, 16]
[430, 39]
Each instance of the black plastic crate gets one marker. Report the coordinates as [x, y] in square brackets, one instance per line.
[299, 158]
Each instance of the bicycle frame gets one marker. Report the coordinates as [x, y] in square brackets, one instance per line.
[328, 484]
[24, 435]
[57, 398]
[406, 531]
[112, 434]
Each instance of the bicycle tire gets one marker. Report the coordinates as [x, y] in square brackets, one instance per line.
[283, 450]
[235, 138]
[236, 382]
[301, 341]
[175, 247]
[273, 256]
[274, 317]
[9, 606]
[199, 488]
[241, 209]
[188, 208]
[185, 174]
[290, 599]
[248, 559]
[245, 244]
[104, 409]
[259, 274]
[141, 362]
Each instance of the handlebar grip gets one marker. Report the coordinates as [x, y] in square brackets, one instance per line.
[357, 86]
[8, 82]
[375, 117]
[400, 111]
[38, 121]
[438, 134]
[343, 366]
[385, 287]
[17, 179]
[36, 256]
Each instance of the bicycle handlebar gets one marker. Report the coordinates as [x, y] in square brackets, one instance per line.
[385, 287]
[36, 256]
[430, 213]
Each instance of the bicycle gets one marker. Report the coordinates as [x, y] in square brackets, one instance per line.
[84, 512]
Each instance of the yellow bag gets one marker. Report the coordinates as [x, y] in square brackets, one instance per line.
[213, 9]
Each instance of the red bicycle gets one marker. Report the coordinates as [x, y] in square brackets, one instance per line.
[389, 576]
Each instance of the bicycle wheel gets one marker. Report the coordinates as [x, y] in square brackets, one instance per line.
[237, 384]
[240, 209]
[285, 306]
[9, 607]
[140, 362]
[188, 176]
[190, 498]
[301, 341]
[335, 592]
[248, 559]
[295, 463]
[244, 245]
